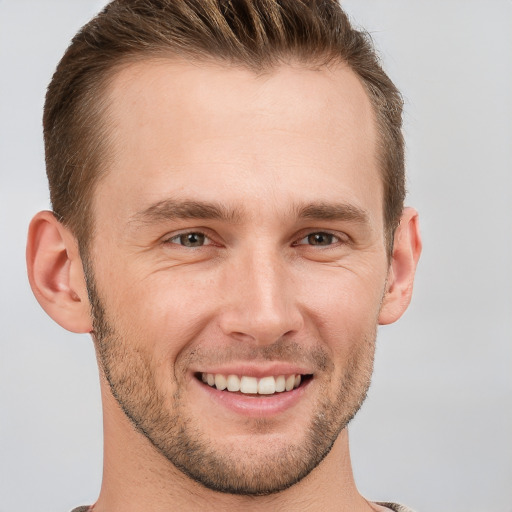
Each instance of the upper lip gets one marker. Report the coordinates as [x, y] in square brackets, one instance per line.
[258, 371]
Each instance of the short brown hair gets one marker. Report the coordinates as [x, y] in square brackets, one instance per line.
[256, 34]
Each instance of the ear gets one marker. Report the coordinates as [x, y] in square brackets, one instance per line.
[56, 274]
[406, 253]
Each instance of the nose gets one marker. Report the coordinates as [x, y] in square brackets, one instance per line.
[261, 299]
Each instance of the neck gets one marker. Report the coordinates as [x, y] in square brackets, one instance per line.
[137, 477]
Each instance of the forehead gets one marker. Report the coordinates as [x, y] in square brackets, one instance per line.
[180, 128]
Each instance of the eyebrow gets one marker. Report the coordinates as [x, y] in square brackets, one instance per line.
[333, 211]
[170, 209]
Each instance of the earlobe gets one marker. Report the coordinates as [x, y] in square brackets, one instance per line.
[56, 274]
[406, 253]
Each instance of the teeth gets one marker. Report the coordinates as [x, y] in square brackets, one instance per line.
[248, 384]
[280, 384]
[251, 385]
[233, 383]
[220, 382]
[267, 386]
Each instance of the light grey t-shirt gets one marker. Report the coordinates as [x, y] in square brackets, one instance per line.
[396, 507]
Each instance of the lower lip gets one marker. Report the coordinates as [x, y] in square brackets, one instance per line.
[256, 406]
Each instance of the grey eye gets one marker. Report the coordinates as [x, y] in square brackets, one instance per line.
[190, 239]
[319, 238]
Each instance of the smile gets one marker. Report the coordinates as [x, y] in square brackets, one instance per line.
[268, 385]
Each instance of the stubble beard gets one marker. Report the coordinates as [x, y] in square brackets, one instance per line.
[240, 470]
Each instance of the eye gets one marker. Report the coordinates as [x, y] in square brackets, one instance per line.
[320, 238]
[191, 239]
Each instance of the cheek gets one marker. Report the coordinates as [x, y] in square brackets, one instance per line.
[344, 307]
[162, 312]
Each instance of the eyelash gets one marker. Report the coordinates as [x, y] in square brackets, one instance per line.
[334, 239]
[332, 236]
[189, 233]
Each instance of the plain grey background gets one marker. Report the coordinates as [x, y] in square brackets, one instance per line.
[436, 431]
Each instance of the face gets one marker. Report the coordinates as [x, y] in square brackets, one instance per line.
[238, 265]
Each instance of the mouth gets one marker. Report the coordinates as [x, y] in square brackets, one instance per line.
[248, 385]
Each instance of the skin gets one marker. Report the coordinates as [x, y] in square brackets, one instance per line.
[284, 155]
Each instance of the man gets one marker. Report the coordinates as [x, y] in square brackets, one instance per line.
[227, 182]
